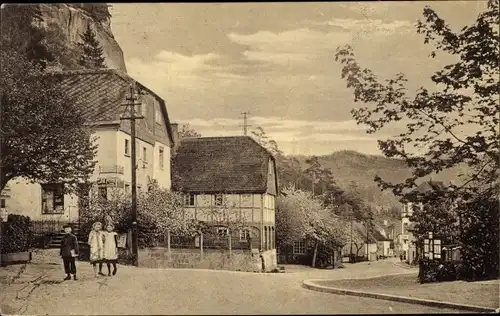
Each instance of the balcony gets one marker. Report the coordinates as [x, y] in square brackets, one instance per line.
[111, 169]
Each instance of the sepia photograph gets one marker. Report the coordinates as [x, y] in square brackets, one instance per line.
[250, 158]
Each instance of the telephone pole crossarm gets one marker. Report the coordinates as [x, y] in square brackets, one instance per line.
[245, 123]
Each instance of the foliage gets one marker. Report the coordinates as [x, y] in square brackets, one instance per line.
[16, 234]
[480, 238]
[21, 32]
[302, 216]
[158, 211]
[438, 217]
[92, 53]
[187, 131]
[43, 136]
[165, 209]
[467, 95]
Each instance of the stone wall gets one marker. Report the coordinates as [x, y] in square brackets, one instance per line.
[242, 260]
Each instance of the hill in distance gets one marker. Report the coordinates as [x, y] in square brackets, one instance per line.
[351, 166]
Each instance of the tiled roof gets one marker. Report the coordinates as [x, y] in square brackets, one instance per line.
[374, 235]
[221, 164]
[102, 93]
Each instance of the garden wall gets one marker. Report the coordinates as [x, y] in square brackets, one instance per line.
[242, 260]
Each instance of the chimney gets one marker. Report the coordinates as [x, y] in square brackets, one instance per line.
[175, 136]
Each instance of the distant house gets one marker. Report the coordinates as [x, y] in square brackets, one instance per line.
[102, 93]
[405, 238]
[222, 174]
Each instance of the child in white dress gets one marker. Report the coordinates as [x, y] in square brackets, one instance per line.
[95, 242]
[111, 248]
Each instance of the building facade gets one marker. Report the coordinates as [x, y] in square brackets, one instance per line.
[103, 93]
[230, 183]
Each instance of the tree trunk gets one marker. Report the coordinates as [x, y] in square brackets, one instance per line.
[201, 246]
[168, 246]
[315, 254]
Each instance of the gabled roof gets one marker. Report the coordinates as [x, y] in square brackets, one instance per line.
[102, 93]
[235, 164]
[429, 186]
[374, 234]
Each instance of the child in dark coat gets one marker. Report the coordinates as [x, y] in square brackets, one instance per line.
[69, 251]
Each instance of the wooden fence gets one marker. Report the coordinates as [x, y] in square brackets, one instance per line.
[47, 227]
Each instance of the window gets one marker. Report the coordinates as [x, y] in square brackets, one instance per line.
[218, 199]
[144, 154]
[127, 188]
[52, 199]
[127, 147]
[244, 234]
[299, 247]
[2, 203]
[189, 199]
[103, 193]
[222, 231]
[160, 158]
[158, 117]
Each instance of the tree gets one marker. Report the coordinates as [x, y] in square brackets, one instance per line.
[43, 136]
[229, 216]
[314, 171]
[260, 136]
[467, 95]
[187, 131]
[302, 216]
[92, 53]
[159, 212]
[21, 32]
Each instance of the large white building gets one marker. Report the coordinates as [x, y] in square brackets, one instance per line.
[103, 93]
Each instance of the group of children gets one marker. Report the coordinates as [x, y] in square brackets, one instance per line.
[103, 249]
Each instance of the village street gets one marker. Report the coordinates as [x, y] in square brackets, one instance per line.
[183, 291]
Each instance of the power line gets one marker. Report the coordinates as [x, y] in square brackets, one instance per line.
[245, 123]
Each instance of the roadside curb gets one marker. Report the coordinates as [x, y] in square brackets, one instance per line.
[310, 285]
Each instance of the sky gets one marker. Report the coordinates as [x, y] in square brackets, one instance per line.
[213, 61]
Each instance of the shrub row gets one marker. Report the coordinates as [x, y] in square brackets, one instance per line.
[16, 234]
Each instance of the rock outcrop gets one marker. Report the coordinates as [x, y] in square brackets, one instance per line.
[73, 21]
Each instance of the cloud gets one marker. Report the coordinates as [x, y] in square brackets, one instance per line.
[373, 26]
[319, 38]
[176, 70]
[298, 43]
[285, 131]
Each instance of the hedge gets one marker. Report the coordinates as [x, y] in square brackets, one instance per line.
[16, 234]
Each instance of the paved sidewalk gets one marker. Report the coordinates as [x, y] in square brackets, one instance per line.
[472, 296]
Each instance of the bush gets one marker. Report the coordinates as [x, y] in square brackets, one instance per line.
[438, 271]
[480, 239]
[16, 234]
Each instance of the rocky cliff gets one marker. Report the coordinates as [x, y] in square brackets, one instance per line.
[73, 20]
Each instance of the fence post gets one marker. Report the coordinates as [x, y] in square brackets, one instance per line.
[201, 246]
[168, 246]
[229, 243]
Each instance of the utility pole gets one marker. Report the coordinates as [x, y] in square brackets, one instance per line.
[245, 123]
[132, 102]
